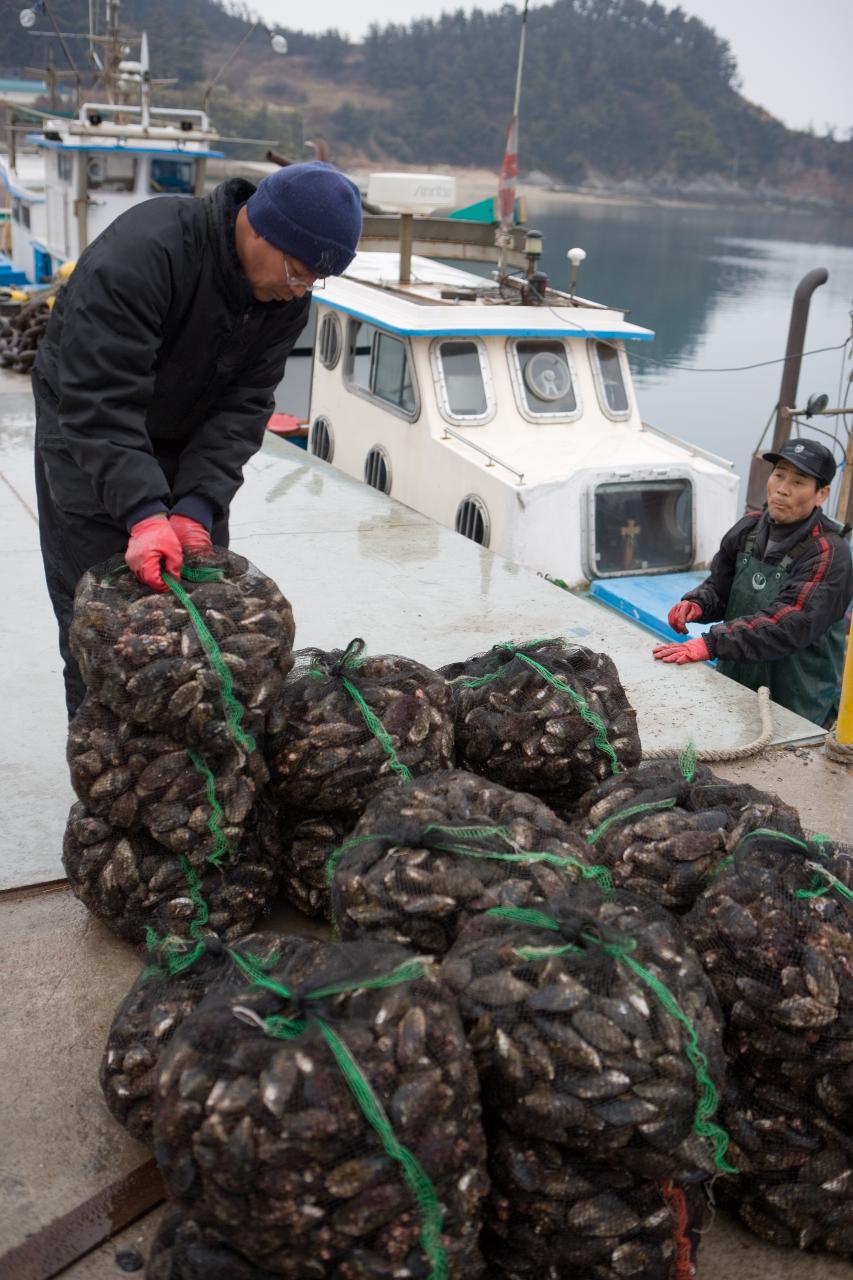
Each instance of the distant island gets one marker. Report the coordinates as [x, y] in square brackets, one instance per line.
[618, 96]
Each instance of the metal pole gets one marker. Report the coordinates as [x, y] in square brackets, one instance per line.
[406, 233]
[844, 506]
[793, 352]
[844, 727]
[759, 469]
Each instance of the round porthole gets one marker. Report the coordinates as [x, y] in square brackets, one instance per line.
[547, 376]
[321, 442]
[377, 470]
[329, 341]
[472, 520]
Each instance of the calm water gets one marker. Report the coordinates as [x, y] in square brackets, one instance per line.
[716, 287]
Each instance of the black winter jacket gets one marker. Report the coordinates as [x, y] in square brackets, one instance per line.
[156, 375]
[816, 592]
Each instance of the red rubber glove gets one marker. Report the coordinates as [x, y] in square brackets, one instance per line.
[192, 536]
[684, 651]
[682, 613]
[151, 541]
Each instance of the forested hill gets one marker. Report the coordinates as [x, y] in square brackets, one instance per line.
[614, 90]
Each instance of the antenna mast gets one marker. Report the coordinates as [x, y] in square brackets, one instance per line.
[509, 164]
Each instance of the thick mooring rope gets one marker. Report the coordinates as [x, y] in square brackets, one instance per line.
[732, 753]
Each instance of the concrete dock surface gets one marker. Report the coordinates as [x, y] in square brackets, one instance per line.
[352, 562]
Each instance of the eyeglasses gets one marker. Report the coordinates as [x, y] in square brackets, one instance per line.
[308, 286]
[299, 282]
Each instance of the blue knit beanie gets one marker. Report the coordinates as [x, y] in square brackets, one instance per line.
[310, 211]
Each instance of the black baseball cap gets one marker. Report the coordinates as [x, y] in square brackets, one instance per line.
[806, 455]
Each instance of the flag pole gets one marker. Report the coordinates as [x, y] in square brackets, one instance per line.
[509, 164]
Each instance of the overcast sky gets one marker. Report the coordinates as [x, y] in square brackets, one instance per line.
[795, 57]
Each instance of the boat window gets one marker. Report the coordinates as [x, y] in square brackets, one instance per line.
[543, 379]
[472, 520]
[329, 341]
[378, 364]
[642, 526]
[461, 378]
[110, 172]
[64, 166]
[172, 177]
[609, 380]
[377, 469]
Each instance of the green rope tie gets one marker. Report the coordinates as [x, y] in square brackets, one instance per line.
[823, 881]
[557, 682]
[336, 854]
[352, 659]
[600, 875]
[378, 730]
[653, 806]
[589, 717]
[202, 914]
[414, 1175]
[708, 1099]
[233, 708]
[687, 761]
[221, 846]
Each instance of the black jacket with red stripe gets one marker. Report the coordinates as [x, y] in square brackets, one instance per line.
[815, 595]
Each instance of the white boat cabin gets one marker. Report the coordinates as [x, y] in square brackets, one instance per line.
[90, 169]
[517, 425]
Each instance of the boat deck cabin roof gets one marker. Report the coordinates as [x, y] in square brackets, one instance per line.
[443, 301]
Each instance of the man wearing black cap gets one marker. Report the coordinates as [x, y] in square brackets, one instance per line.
[782, 581]
[156, 376]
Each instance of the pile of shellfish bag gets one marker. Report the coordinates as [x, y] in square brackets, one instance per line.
[345, 726]
[662, 828]
[426, 856]
[172, 830]
[774, 931]
[322, 1121]
[549, 717]
[597, 1038]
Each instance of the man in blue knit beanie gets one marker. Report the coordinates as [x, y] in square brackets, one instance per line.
[157, 374]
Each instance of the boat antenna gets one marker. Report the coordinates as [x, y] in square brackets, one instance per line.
[145, 82]
[509, 164]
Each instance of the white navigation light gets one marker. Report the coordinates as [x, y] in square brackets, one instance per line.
[411, 192]
[279, 43]
[27, 18]
[575, 256]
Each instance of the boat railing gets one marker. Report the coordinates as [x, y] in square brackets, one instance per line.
[113, 108]
[690, 447]
[493, 458]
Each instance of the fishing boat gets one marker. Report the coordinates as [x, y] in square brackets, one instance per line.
[82, 172]
[501, 407]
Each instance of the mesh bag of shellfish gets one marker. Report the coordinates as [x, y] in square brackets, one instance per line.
[178, 976]
[346, 725]
[202, 661]
[796, 1168]
[551, 1214]
[428, 855]
[325, 1119]
[548, 717]
[133, 883]
[663, 827]
[130, 775]
[186, 1249]
[594, 1027]
[774, 931]
[308, 840]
